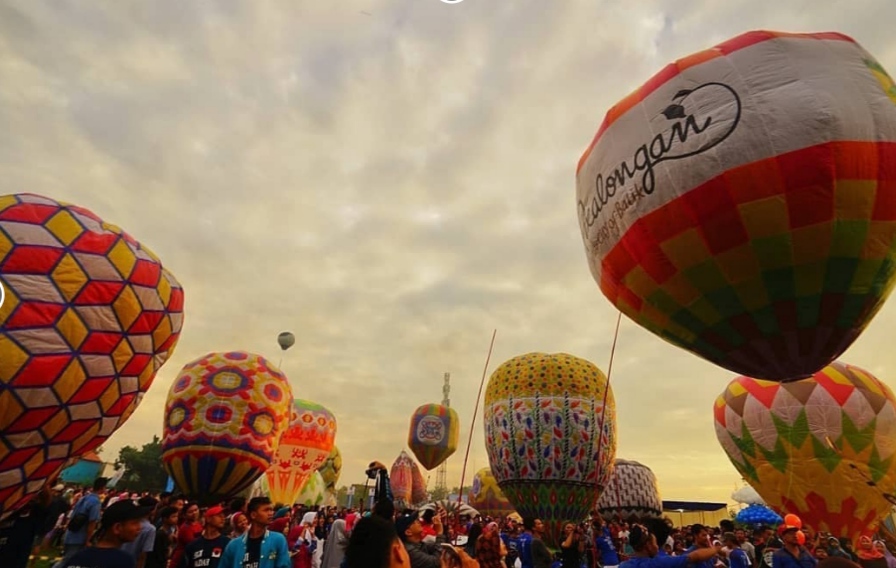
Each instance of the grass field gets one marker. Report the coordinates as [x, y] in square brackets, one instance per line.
[50, 554]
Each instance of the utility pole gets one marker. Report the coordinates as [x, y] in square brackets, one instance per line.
[442, 472]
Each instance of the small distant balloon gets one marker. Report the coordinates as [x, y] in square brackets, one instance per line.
[286, 340]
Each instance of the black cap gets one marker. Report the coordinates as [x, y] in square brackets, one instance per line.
[404, 522]
[122, 511]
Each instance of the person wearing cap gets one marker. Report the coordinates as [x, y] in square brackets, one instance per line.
[206, 551]
[792, 555]
[258, 547]
[145, 541]
[646, 552]
[119, 524]
[410, 531]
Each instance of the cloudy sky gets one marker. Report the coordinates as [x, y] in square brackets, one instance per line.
[389, 179]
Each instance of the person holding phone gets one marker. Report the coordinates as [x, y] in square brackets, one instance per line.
[410, 531]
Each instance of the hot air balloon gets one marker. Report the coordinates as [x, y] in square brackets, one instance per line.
[433, 434]
[632, 494]
[313, 492]
[331, 469]
[401, 480]
[88, 316]
[286, 340]
[303, 448]
[419, 494]
[224, 418]
[486, 497]
[738, 204]
[550, 433]
[821, 448]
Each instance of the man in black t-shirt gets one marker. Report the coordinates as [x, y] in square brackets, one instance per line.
[120, 523]
[205, 551]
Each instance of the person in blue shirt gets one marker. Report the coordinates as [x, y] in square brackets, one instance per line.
[737, 557]
[258, 547]
[646, 552]
[792, 555]
[603, 542]
[701, 542]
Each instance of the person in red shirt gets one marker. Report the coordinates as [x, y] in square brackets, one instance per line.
[186, 533]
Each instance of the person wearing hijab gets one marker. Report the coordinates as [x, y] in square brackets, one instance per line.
[240, 524]
[882, 546]
[490, 550]
[869, 555]
[334, 546]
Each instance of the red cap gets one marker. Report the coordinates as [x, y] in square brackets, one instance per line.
[212, 511]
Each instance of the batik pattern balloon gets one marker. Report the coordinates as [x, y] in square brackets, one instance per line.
[314, 491]
[486, 497]
[550, 437]
[331, 469]
[419, 494]
[303, 449]
[741, 204]
[88, 315]
[433, 434]
[632, 494]
[821, 448]
[224, 418]
[401, 480]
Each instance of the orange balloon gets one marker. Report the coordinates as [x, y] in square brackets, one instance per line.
[801, 537]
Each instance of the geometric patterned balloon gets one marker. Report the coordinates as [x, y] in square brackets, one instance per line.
[486, 497]
[633, 494]
[433, 434]
[313, 492]
[551, 441]
[88, 315]
[304, 447]
[740, 204]
[822, 448]
[331, 469]
[224, 418]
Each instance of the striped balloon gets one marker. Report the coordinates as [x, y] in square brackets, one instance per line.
[401, 480]
[433, 434]
[224, 418]
[742, 203]
[822, 448]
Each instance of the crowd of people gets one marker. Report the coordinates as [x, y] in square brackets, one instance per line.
[96, 528]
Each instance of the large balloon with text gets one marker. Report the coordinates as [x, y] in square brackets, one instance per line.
[742, 203]
[433, 434]
[303, 448]
[550, 433]
[821, 448]
[224, 418]
[88, 315]
[632, 495]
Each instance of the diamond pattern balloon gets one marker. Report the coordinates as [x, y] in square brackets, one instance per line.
[741, 203]
[89, 315]
[822, 448]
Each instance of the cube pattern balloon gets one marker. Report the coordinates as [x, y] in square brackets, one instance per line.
[633, 494]
[304, 448]
[550, 433]
[88, 316]
[822, 448]
[224, 418]
[433, 434]
[741, 204]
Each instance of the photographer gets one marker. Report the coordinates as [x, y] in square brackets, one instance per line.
[573, 546]
[410, 531]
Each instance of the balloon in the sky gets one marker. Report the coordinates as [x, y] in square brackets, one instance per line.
[314, 491]
[419, 494]
[304, 447]
[433, 434]
[550, 438]
[224, 418]
[331, 469]
[88, 315]
[821, 448]
[286, 340]
[633, 494]
[401, 480]
[486, 497]
[740, 205]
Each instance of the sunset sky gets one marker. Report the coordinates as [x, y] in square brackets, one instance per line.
[390, 180]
